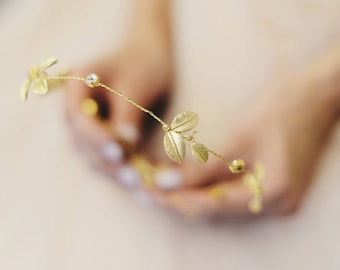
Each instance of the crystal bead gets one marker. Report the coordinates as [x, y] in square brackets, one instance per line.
[92, 80]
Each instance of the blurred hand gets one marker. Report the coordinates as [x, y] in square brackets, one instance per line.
[285, 129]
[142, 71]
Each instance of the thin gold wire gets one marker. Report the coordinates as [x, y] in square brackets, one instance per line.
[153, 115]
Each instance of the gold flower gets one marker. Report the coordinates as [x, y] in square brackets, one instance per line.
[38, 76]
[253, 182]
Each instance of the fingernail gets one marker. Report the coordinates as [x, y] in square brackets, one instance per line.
[168, 179]
[127, 132]
[128, 177]
[142, 197]
[112, 152]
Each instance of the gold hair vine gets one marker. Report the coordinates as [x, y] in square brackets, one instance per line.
[179, 133]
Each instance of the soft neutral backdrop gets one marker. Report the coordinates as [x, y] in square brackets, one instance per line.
[58, 213]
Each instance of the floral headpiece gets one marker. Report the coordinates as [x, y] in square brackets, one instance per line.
[179, 133]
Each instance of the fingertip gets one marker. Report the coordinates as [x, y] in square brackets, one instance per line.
[169, 179]
[112, 152]
[125, 114]
[128, 177]
[198, 174]
[127, 132]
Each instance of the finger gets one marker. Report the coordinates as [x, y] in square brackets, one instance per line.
[225, 199]
[126, 118]
[124, 173]
[136, 83]
[233, 198]
[193, 174]
[93, 132]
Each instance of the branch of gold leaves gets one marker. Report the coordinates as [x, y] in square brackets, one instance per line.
[179, 133]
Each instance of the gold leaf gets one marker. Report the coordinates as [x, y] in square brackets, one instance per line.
[24, 90]
[47, 63]
[184, 121]
[174, 146]
[41, 86]
[199, 152]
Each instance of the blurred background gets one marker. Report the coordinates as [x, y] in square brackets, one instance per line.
[56, 212]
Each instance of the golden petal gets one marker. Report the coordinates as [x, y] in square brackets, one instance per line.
[174, 146]
[259, 170]
[184, 121]
[255, 205]
[46, 64]
[33, 73]
[199, 152]
[250, 181]
[41, 86]
[24, 90]
[252, 184]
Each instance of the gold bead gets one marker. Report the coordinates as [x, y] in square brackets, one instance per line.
[217, 193]
[237, 165]
[89, 107]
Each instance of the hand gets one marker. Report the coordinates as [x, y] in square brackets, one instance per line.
[142, 71]
[285, 129]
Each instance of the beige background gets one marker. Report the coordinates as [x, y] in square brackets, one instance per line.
[57, 213]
